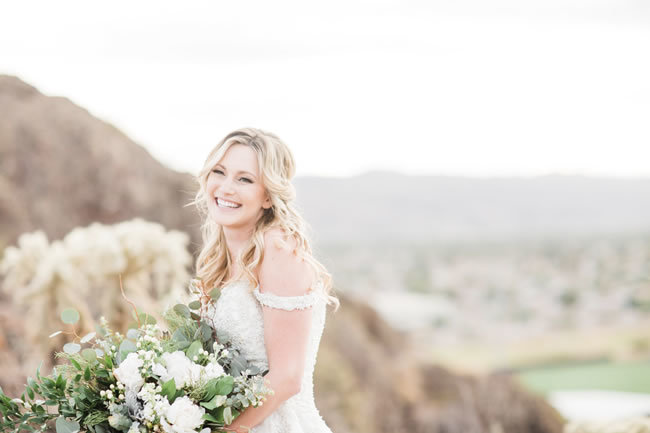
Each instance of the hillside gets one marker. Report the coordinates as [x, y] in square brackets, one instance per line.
[60, 167]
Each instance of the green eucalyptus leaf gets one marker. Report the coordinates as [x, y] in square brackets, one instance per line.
[217, 400]
[215, 293]
[71, 348]
[224, 385]
[182, 310]
[194, 349]
[87, 373]
[127, 347]
[65, 426]
[206, 332]
[133, 334]
[179, 336]
[89, 355]
[147, 319]
[70, 316]
[194, 305]
[86, 338]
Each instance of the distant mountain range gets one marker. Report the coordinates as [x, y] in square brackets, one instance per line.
[388, 206]
[60, 167]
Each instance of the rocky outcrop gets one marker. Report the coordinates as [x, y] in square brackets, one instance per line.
[60, 167]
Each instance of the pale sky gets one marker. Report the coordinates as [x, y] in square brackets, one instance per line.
[455, 87]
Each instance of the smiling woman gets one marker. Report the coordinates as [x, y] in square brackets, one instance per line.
[239, 199]
[273, 291]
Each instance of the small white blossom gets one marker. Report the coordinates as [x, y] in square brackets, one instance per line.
[212, 370]
[183, 416]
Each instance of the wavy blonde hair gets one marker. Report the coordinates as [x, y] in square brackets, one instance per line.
[277, 168]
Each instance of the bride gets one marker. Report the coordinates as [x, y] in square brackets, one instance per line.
[273, 292]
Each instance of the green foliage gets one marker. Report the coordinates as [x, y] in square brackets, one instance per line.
[84, 395]
[70, 316]
[66, 426]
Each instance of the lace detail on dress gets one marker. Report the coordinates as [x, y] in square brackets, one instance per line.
[288, 303]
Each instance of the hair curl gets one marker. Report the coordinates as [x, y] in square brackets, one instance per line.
[277, 168]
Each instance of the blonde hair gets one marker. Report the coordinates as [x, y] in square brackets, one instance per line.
[277, 168]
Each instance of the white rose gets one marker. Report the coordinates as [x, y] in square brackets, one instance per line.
[212, 370]
[128, 372]
[181, 369]
[159, 370]
[183, 416]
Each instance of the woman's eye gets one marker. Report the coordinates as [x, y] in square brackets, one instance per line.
[245, 179]
[217, 171]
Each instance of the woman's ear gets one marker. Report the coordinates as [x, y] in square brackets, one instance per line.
[267, 202]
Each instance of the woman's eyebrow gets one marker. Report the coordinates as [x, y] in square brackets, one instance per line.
[240, 171]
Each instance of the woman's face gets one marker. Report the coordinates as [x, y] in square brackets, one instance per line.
[236, 196]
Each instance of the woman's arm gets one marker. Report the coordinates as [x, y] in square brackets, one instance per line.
[286, 333]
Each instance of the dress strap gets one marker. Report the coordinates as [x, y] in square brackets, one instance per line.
[288, 303]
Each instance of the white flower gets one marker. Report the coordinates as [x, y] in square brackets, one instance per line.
[181, 369]
[128, 372]
[183, 416]
[159, 370]
[212, 370]
[134, 427]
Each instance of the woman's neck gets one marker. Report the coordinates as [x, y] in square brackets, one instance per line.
[236, 240]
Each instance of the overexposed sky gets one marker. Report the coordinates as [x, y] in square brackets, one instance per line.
[458, 87]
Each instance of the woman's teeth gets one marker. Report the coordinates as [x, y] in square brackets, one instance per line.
[224, 203]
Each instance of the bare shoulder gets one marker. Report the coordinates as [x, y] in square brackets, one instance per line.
[283, 272]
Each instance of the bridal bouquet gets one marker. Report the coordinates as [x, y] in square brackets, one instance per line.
[181, 380]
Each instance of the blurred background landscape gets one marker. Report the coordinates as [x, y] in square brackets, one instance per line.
[537, 287]
[474, 174]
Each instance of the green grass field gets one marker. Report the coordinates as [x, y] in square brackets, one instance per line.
[629, 376]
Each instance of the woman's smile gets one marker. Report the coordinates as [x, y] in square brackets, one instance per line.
[226, 204]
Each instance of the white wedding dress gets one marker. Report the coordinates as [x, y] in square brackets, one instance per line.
[238, 316]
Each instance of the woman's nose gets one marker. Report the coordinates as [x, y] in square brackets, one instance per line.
[226, 186]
